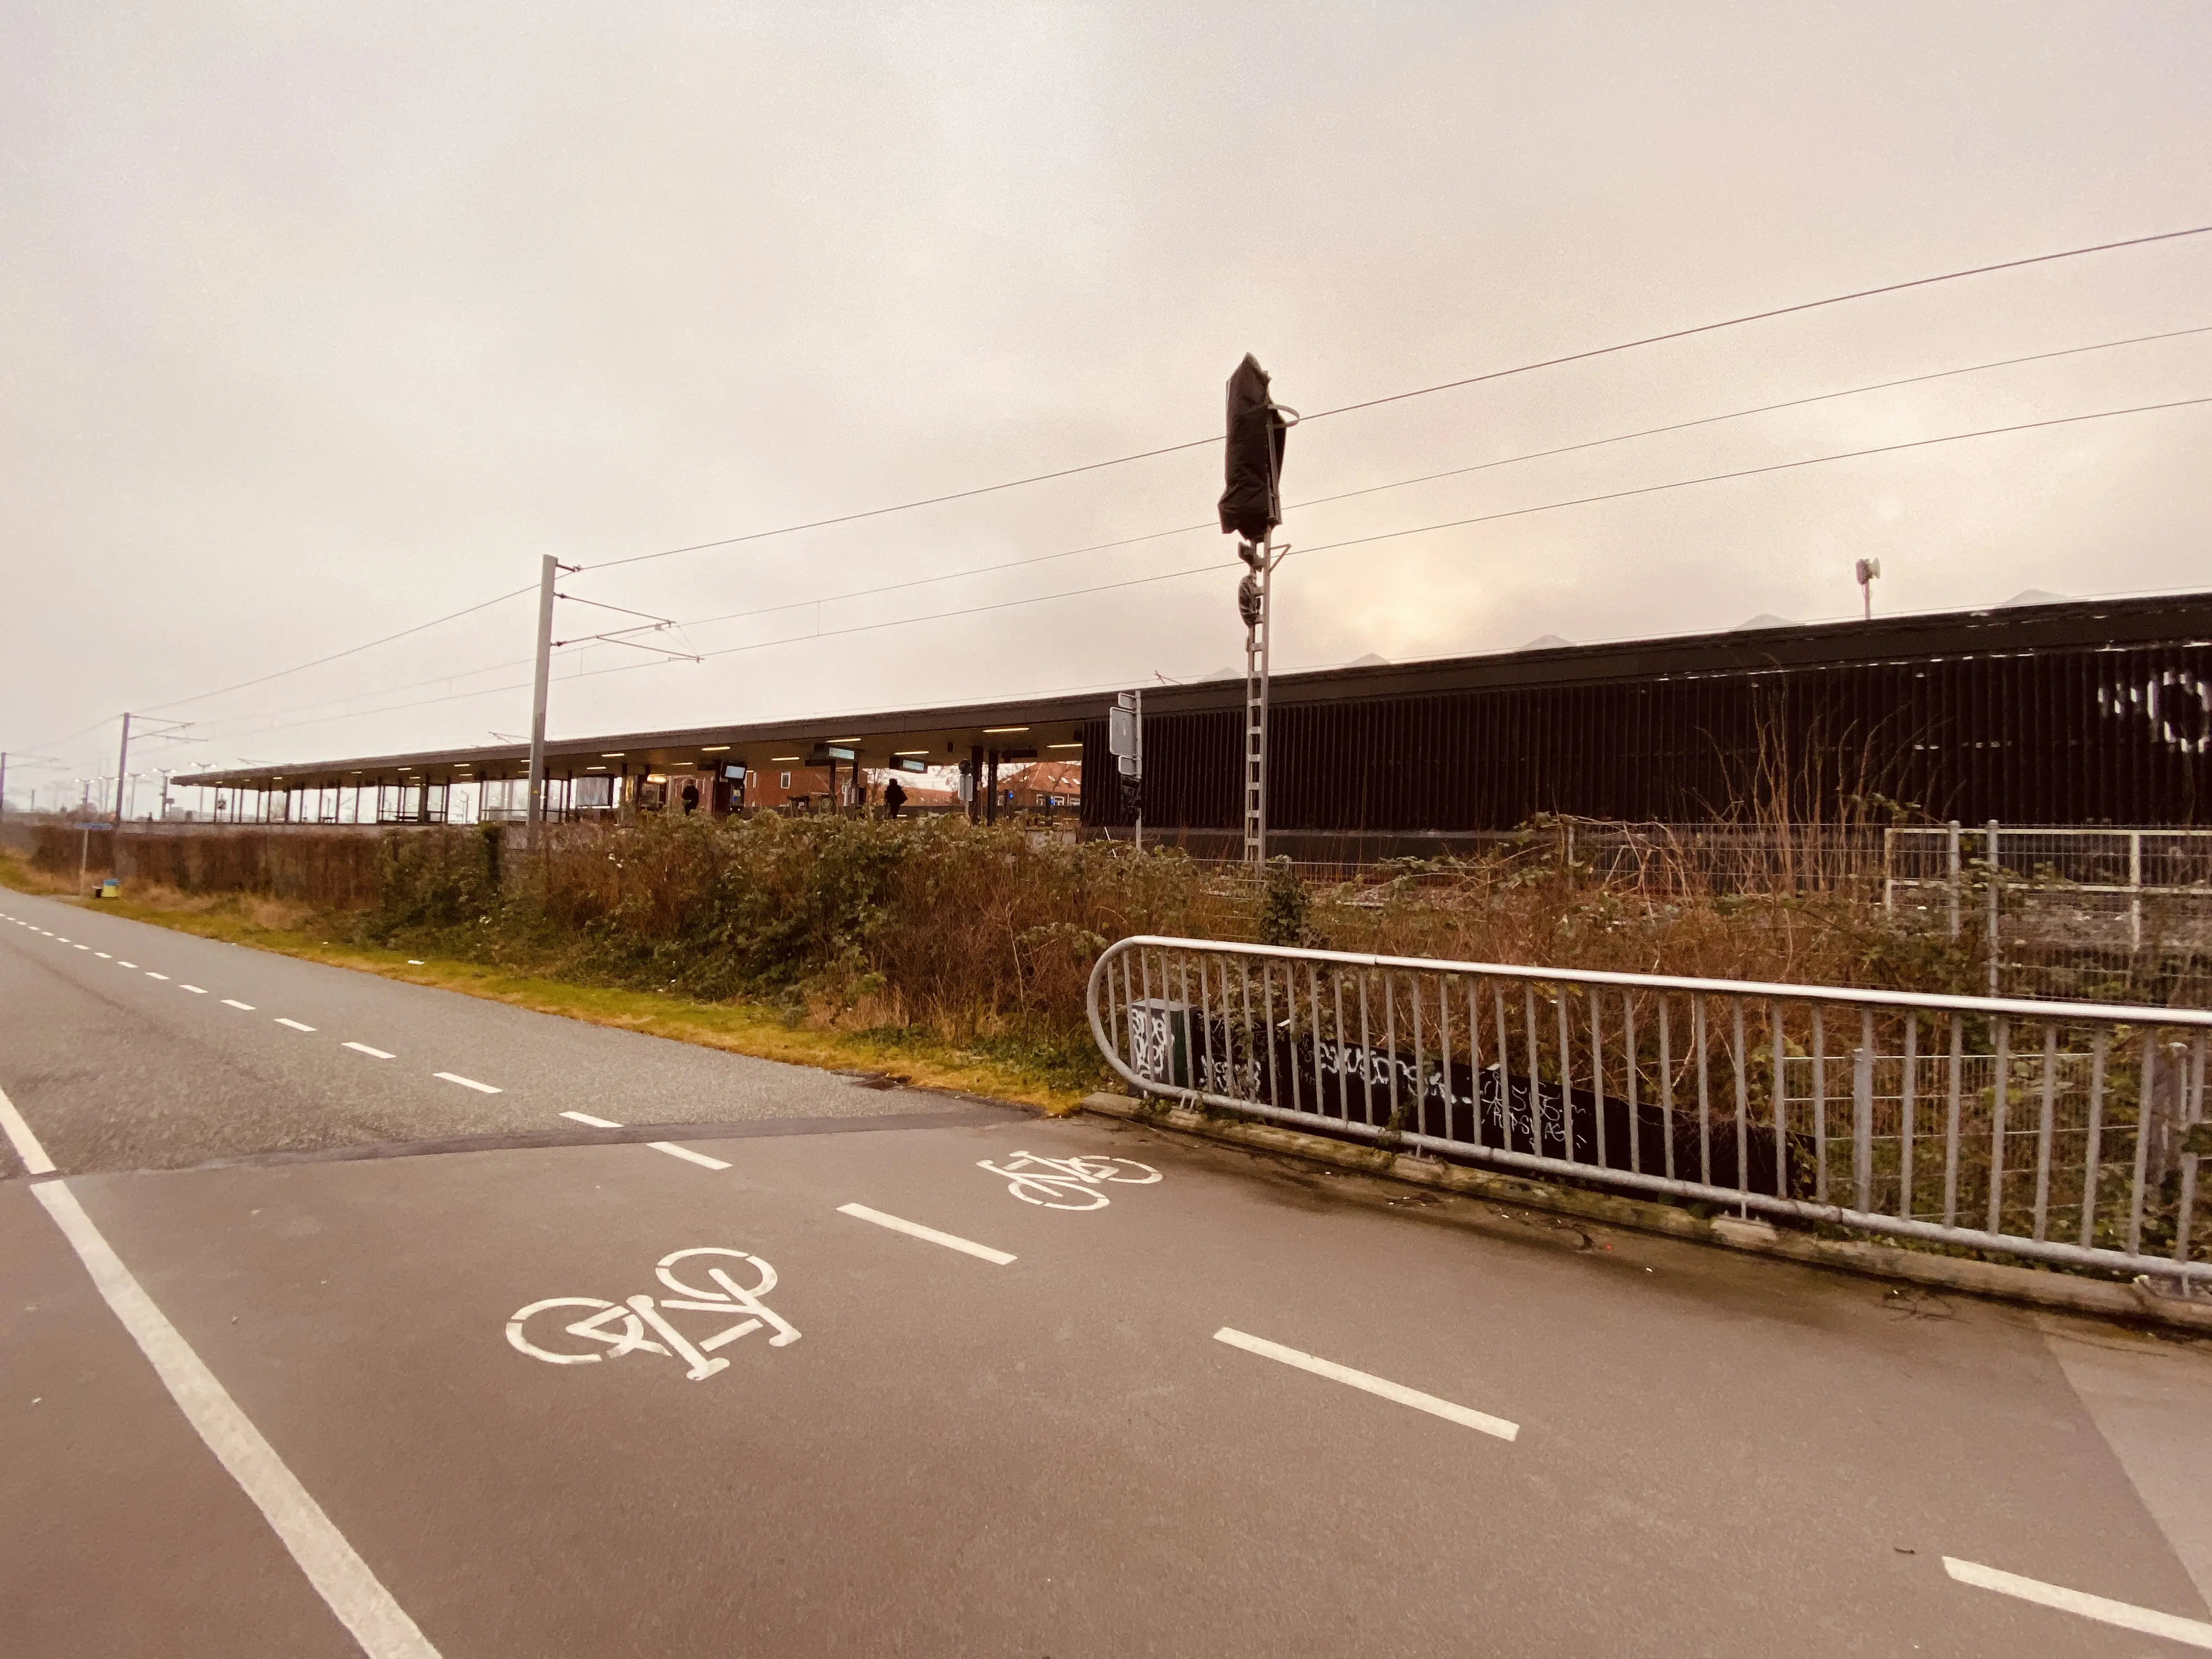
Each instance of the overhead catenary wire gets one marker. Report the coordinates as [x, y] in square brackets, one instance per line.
[1213, 566]
[351, 651]
[251, 722]
[1196, 443]
[1586, 355]
[1029, 560]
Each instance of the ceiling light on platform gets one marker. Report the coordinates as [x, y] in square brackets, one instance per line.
[1063, 745]
[997, 730]
[783, 757]
[617, 755]
[909, 754]
[714, 749]
[595, 768]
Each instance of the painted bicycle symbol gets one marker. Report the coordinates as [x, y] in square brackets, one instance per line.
[1067, 1183]
[621, 1327]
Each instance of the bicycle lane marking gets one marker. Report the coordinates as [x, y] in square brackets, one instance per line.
[637, 1313]
[1067, 1183]
[345, 1581]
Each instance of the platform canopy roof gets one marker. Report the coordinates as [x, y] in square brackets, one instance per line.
[1052, 727]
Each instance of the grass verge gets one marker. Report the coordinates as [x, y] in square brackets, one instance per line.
[1003, 1071]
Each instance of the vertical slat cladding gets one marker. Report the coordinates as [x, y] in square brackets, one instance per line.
[2052, 735]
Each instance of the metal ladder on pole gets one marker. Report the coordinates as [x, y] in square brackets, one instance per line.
[1254, 596]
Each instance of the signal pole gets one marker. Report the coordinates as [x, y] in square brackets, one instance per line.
[536, 812]
[122, 769]
[1251, 508]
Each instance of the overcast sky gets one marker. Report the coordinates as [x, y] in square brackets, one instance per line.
[319, 322]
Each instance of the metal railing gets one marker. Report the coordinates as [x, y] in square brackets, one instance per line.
[2119, 864]
[2058, 1132]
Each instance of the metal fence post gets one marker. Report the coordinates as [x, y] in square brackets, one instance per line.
[1991, 834]
[1889, 870]
[1862, 1126]
[1954, 839]
[2134, 889]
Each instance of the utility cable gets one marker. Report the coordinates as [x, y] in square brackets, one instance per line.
[1418, 392]
[351, 651]
[1452, 472]
[1356, 541]
[1758, 317]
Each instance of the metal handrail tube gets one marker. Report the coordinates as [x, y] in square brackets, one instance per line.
[2036, 1135]
[2119, 1013]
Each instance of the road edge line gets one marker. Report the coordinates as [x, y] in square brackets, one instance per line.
[2191, 1632]
[333, 1567]
[36, 1161]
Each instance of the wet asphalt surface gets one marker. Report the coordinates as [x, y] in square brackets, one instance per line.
[1052, 1456]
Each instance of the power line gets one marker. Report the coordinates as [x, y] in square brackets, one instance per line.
[903, 506]
[1754, 472]
[351, 651]
[1199, 443]
[1453, 472]
[243, 724]
[1356, 541]
[1760, 317]
[1418, 392]
[1451, 523]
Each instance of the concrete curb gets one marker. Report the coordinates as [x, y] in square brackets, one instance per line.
[2031, 1286]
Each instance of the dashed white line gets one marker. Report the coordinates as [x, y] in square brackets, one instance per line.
[103, 955]
[126, 964]
[84, 947]
[150, 974]
[915, 1229]
[233, 1002]
[295, 1024]
[2189, 1633]
[194, 989]
[596, 1122]
[1375, 1385]
[687, 1154]
[363, 1049]
[466, 1082]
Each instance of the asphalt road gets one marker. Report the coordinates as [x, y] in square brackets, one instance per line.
[1244, 1407]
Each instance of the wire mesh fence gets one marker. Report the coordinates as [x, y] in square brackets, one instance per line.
[2067, 1132]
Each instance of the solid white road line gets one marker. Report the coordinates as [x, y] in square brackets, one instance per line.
[36, 1161]
[466, 1082]
[914, 1229]
[596, 1122]
[362, 1604]
[195, 989]
[363, 1049]
[1375, 1385]
[295, 1024]
[2189, 1633]
[686, 1154]
[233, 1002]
